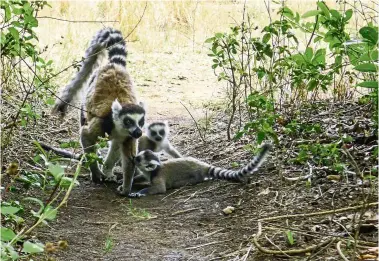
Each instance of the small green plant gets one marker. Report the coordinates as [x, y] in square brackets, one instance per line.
[109, 244]
[290, 237]
[137, 212]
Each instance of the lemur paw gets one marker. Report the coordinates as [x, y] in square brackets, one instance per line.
[135, 195]
[96, 177]
[121, 191]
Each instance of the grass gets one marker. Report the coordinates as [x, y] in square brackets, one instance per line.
[137, 212]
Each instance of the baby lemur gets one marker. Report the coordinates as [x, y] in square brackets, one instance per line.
[178, 172]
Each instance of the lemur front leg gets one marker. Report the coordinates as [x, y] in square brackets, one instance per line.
[157, 188]
[88, 139]
[112, 157]
[128, 152]
[172, 151]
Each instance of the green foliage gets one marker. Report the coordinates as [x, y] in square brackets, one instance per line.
[319, 154]
[275, 67]
[290, 237]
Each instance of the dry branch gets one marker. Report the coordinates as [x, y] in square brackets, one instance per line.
[334, 211]
[287, 252]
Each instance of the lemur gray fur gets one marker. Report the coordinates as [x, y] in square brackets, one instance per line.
[178, 172]
[110, 106]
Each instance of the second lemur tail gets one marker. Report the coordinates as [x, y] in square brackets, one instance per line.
[107, 38]
[220, 173]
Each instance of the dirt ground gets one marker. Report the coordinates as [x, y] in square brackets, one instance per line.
[188, 223]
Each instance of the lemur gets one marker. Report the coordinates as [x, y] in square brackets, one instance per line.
[178, 172]
[110, 106]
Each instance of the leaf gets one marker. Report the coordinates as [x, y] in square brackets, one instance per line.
[348, 15]
[37, 201]
[209, 40]
[335, 14]
[319, 57]
[260, 137]
[7, 234]
[368, 84]
[366, 67]
[32, 248]
[369, 34]
[290, 238]
[219, 35]
[308, 54]
[14, 34]
[324, 9]
[66, 182]
[287, 12]
[56, 170]
[266, 38]
[7, 210]
[369, 56]
[311, 13]
[50, 213]
[312, 84]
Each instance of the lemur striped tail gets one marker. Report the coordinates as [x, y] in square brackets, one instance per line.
[107, 38]
[220, 173]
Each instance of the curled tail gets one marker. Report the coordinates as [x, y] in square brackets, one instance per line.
[107, 38]
[220, 173]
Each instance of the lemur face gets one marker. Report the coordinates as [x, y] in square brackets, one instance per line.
[128, 119]
[147, 161]
[158, 131]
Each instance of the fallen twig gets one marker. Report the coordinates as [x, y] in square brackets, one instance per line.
[287, 252]
[207, 244]
[183, 211]
[340, 251]
[321, 212]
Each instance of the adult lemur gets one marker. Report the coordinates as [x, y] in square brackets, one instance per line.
[110, 106]
[179, 172]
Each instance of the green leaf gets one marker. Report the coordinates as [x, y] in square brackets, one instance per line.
[312, 84]
[311, 13]
[369, 56]
[319, 57]
[348, 15]
[66, 182]
[335, 14]
[32, 248]
[266, 38]
[368, 84]
[14, 34]
[50, 213]
[370, 34]
[219, 35]
[7, 234]
[290, 238]
[8, 210]
[324, 9]
[209, 40]
[56, 170]
[308, 54]
[260, 137]
[366, 67]
[287, 12]
[37, 201]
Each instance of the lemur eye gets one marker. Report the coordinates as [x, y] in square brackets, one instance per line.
[161, 132]
[128, 122]
[153, 133]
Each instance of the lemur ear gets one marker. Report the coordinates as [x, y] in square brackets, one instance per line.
[116, 106]
[165, 122]
[142, 104]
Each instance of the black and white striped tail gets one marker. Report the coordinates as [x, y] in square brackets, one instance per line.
[220, 173]
[107, 38]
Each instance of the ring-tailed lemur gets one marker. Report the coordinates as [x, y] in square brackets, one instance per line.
[176, 173]
[110, 106]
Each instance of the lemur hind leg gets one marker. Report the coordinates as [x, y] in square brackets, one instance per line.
[88, 138]
[128, 152]
[112, 157]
